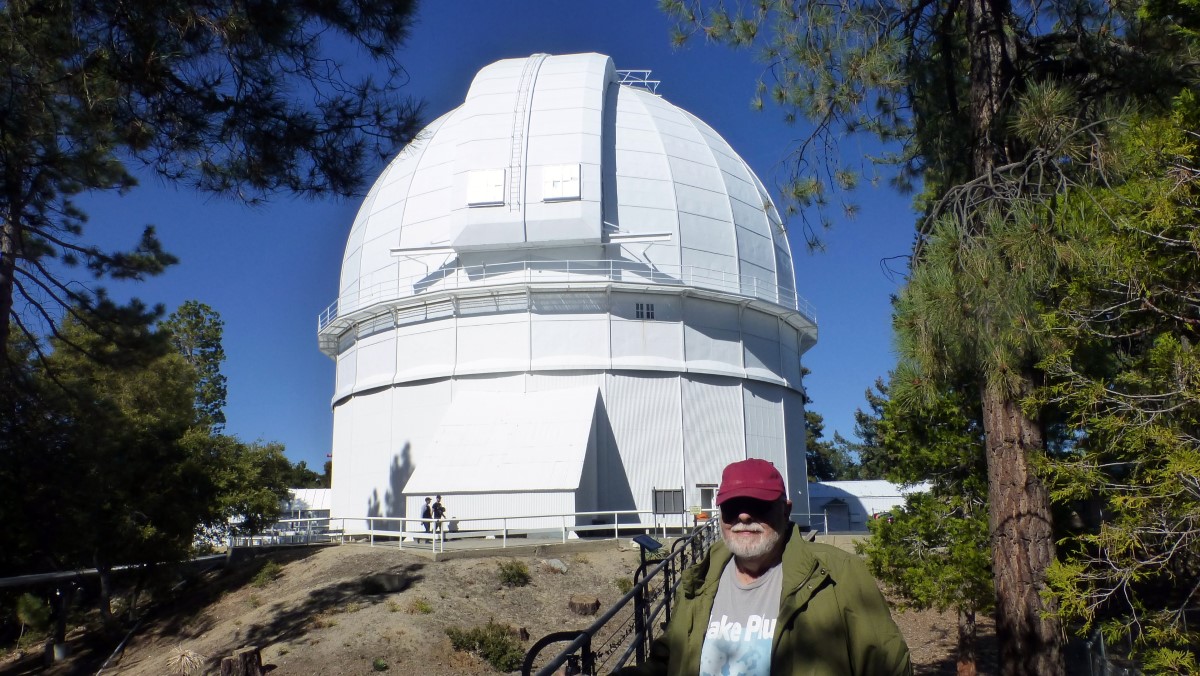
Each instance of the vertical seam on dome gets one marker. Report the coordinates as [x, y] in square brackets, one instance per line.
[670, 178]
[737, 251]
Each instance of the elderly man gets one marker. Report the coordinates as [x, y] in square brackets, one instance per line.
[768, 602]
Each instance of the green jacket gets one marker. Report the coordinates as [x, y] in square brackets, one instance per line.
[832, 619]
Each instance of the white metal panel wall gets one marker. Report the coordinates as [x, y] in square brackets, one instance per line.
[712, 341]
[344, 502]
[569, 331]
[425, 350]
[712, 429]
[372, 444]
[563, 380]
[646, 343]
[468, 511]
[763, 353]
[347, 368]
[765, 436]
[512, 382]
[644, 411]
[377, 354]
[797, 467]
[789, 342]
[493, 343]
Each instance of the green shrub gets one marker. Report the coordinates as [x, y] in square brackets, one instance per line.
[513, 573]
[269, 572]
[493, 642]
[419, 606]
[624, 584]
[33, 613]
[379, 664]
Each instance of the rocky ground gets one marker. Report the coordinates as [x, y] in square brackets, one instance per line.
[354, 609]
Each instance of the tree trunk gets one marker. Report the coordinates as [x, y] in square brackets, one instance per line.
[104, 573]
[8, 266]
[966, 643]
[1022, 541]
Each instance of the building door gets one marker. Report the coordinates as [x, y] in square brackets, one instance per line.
[837, 516]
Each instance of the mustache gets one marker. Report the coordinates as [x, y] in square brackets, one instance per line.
[746, 528]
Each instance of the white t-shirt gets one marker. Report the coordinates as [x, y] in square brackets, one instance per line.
[742, 625]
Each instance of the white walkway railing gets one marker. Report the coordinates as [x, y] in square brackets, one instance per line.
[558, 272]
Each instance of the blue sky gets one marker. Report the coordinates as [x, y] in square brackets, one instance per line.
[270, 270]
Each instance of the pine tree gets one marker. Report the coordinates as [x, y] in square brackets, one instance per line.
[988, 106]
[195, 331]
[1124, 364]
[232, 98]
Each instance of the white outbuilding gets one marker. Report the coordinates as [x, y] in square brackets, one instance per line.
[568, 295]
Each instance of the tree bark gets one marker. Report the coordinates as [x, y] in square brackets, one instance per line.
[8, 266]
[966, 643]
[1022, 541]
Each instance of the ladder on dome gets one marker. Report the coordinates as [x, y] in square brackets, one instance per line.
[520, 123]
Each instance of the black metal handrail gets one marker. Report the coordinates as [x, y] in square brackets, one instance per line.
[652, 596]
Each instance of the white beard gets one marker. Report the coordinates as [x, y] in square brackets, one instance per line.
[758, 546]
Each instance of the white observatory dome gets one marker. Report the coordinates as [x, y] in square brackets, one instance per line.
[564, 230]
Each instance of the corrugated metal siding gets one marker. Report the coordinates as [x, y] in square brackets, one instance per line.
[764, 423]
[712, 424]
[797, 468]
[644, 412]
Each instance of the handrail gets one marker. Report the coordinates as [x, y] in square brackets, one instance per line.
[684, 553]
[557, 272]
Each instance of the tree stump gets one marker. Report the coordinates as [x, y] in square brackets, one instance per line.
[244, 662]
[582, 604]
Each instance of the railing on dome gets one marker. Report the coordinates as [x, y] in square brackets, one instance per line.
[638, 78]
[559, 272]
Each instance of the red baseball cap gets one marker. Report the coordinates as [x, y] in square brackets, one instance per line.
[752, 478]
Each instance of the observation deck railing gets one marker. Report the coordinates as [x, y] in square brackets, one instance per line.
[564, 272]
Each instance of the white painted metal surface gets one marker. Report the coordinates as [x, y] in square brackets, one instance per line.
[563, 232]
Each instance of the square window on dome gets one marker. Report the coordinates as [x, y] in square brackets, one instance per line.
[560, 182]
[485, 187]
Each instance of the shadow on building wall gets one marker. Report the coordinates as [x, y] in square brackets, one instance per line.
[393, 504]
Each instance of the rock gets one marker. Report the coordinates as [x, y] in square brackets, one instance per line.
[556, 565]
[582, 604]
[385, 583]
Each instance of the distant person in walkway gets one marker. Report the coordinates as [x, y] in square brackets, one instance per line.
[426, 514]
[765, 601]
[439, 511]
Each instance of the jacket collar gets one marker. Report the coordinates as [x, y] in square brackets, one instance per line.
[798, 566]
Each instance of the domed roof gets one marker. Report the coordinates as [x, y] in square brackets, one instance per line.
[552, 158]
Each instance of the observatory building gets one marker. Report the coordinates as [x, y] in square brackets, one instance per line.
[568, 295]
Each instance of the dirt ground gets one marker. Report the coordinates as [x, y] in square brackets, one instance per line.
[352, 609]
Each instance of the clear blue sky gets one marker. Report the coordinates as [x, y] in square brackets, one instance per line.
[269, 270]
